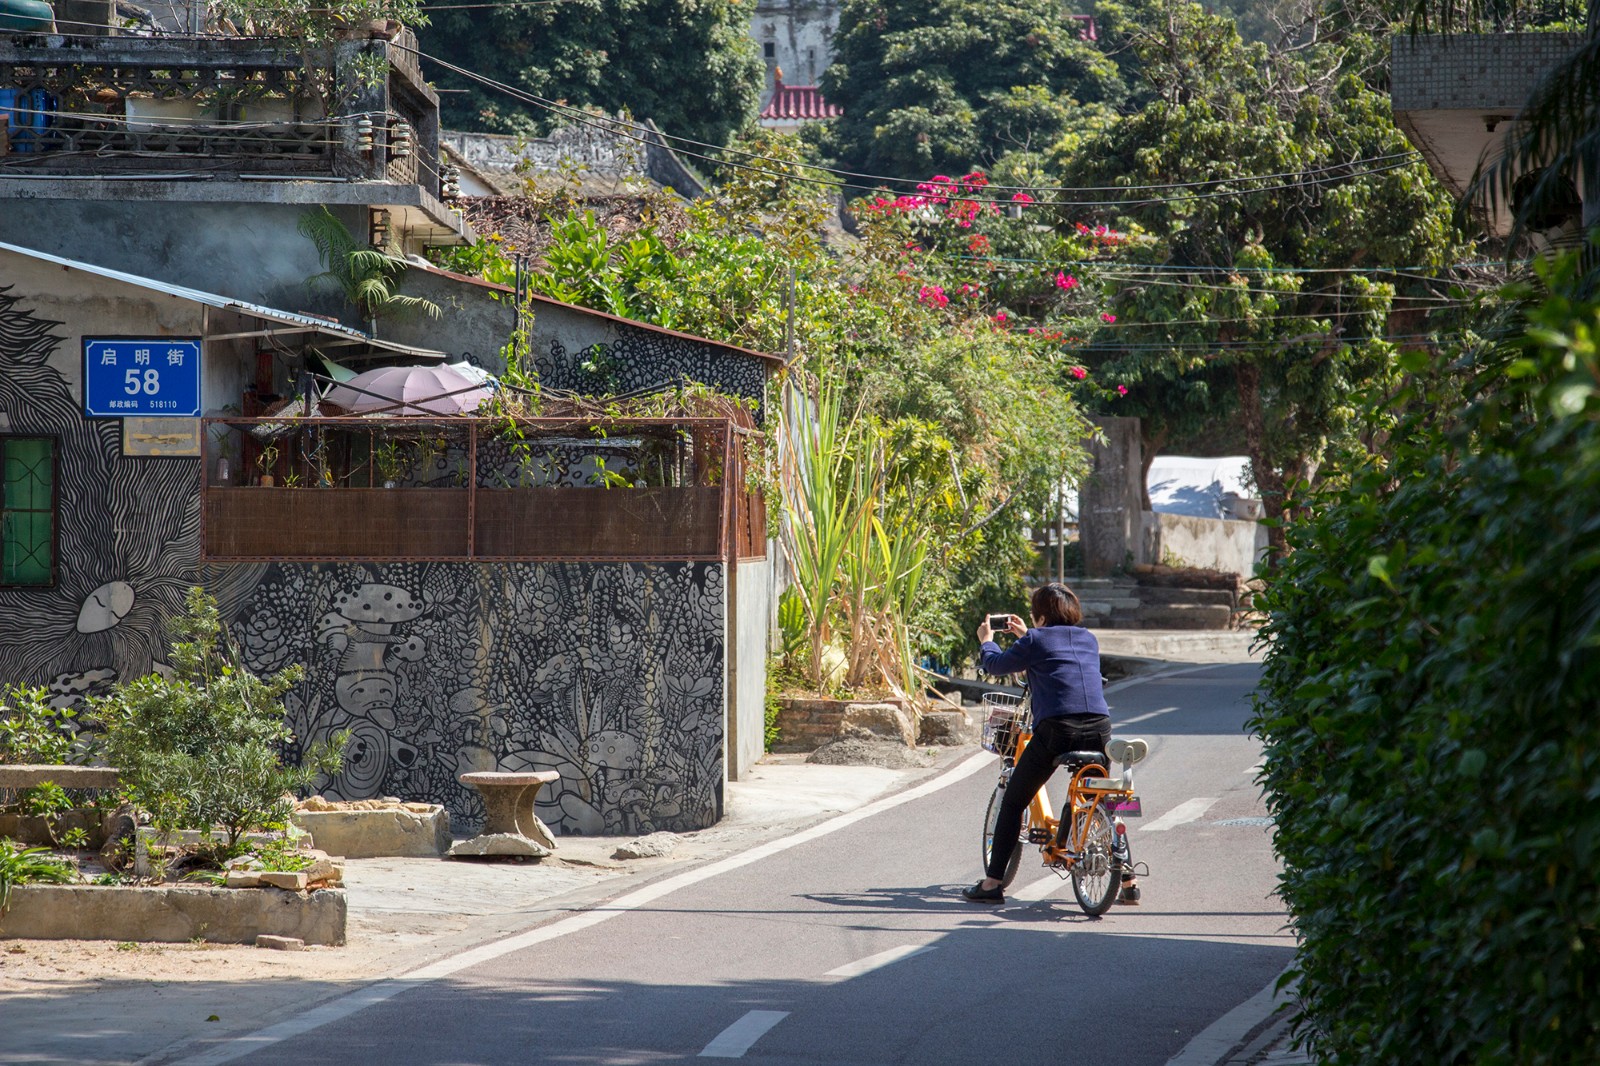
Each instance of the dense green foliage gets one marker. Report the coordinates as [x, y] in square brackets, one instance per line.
[689, 65]
[955, 84]
[33, 731]
[1259, 312]
[201, 749]
[1428, 712]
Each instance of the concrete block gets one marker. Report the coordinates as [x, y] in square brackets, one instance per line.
[243, 879]
[172, 915]
[883, 721]
[289, 881]
[280, 943]
[507, 844]
[946, 729]
[400, 830]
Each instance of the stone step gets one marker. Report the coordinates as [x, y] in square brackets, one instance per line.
[1197, 616]
[1153, 596]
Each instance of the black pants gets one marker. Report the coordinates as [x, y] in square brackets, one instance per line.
[1054, 736]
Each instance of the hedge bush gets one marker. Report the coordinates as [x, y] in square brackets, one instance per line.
[1431, 717]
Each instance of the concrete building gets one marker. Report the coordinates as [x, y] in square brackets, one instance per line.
[1455, 97]
[499, 608]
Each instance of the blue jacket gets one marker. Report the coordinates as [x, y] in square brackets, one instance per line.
[1063, 667]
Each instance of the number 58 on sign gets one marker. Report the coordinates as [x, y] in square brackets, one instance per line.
[144, 376]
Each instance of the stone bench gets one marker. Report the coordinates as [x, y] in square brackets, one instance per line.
[509, 825]
[28, 775]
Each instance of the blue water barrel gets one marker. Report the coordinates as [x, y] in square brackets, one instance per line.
[28, 113]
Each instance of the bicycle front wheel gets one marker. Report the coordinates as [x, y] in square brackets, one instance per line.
[1097, 875]
[988, 838]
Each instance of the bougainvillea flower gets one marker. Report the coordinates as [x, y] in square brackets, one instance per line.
[1107, 317]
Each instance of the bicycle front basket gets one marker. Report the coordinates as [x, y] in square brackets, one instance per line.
[1001, 728]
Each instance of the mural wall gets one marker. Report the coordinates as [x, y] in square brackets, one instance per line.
[611, 674]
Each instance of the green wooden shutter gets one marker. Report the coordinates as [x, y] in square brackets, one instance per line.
[27, 511]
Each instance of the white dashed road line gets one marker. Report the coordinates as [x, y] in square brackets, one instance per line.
[1146, 716]
[737, 1038]
[878, 961]
[1183, 813]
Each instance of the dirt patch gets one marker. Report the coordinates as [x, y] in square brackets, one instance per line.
[856, 751]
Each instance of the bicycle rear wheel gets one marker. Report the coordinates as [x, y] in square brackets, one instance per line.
[1097, 875]
[988, 838]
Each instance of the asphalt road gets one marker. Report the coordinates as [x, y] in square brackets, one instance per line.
[847, 945]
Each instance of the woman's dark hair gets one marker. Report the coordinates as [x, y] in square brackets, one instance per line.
[1056, 605]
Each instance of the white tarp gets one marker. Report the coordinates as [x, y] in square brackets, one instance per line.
[1203, 488]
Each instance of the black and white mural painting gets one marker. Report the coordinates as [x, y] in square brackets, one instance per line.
[127, 539]
[640, 359]
[609, 673]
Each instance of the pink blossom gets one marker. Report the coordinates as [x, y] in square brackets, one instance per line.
[933, 295]
[1107, 317]
[1021, 198]
[1079, 372]
[1000, 318]
[1065, 280]
[1122, 390]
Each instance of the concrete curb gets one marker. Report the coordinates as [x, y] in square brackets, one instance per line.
[173, 915]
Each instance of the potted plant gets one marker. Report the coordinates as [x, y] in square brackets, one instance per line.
[390, 459]
[265, 462]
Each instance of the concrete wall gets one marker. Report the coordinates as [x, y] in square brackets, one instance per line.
[801, 34]
[747, 716]
[1111, 498]
[1208, 543]
[250, 252]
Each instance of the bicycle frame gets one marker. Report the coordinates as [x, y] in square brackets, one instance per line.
[1066, 837]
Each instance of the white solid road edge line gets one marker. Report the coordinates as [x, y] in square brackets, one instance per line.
[1219, 1038]
[737, 1038]
[878, 961]
[344, 1006]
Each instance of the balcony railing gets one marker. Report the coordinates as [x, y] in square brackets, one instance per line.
[467, 489]
[215, 107]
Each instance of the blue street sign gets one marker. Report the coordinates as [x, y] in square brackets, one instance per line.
[148, 377]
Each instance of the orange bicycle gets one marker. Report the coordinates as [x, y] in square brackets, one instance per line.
[1089, 843]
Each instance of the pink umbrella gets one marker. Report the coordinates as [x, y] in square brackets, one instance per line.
[408, 390]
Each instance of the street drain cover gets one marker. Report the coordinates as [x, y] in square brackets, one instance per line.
[1244, 821]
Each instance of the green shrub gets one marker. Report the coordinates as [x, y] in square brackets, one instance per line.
[44, 800]
[32, 731]
[24, 866]
[1429, 717]
[201, 749]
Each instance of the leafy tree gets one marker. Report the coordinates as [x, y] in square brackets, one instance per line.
[202, 748]
[961, 426]
[1259, 309]
[951, 84]
[692, 67]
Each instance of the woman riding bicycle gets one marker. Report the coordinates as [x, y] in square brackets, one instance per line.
[1062, 661]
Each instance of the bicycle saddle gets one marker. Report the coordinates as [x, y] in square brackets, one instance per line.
[1127, 752]
[1078, 759]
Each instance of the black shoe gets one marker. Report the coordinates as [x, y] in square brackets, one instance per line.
[1129, 894]
[978, 894]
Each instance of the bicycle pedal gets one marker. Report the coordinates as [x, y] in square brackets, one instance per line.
[1038, 836]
